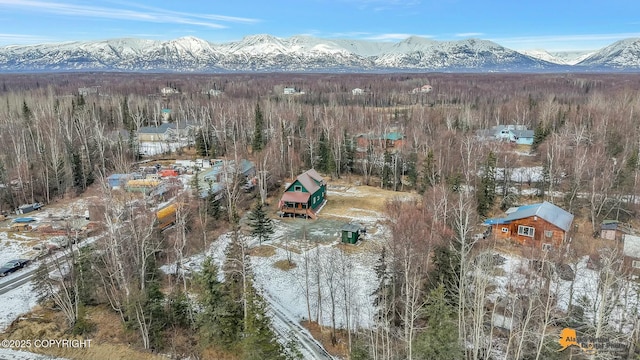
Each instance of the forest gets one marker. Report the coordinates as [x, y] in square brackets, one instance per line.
[434, 293]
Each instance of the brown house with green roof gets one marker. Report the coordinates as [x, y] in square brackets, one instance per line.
[304, 196]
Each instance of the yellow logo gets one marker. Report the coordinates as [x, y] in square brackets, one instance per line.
[568, 337]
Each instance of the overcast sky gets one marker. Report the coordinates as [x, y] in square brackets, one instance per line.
[554, 25]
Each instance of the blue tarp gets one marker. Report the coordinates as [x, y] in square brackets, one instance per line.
[24, 220]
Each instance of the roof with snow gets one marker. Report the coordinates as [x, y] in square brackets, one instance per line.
[545, 210]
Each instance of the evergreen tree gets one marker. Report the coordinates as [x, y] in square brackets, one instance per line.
[134, 147]
[76, 169]
[446, 272]
[326, 162]
[540, 133]
[27, 115]
[360, 351]
[221, 317]
[386, 170]
[127, 119]
[383, 295]
[257, 144]
[87, 277]
[486, 193]
[261, 224]
[455, 182]
[412, 169]
[259, 342]
[154, 310]
[179, 310]
[205, 144]
[439, 341]
[348, 152]
[429, 172]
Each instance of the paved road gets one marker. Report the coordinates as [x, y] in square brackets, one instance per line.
[26, 274]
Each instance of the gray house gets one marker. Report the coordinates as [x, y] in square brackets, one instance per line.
[518, 134]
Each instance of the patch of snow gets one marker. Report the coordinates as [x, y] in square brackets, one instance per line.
[25, 355]
[15, 303]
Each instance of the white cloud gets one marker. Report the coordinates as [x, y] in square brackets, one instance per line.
[155, 15]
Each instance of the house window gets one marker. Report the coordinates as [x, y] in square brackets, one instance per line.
[297, 188]
[547, 247]
[635, 264]
[505, 230]
[526, 230]
[548, 233]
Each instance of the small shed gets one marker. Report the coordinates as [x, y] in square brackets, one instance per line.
[613, 230]
[351, 233]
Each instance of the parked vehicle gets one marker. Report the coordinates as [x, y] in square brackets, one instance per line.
[27, 208]
[166, 216]
[13, 266]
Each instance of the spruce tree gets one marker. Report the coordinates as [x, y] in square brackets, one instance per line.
[220, 317]
[257, 144]
[204, 143]
[429, 172]
[446, 272]
[261, 224]
[348, 151]
[259, 341]
[486, 193]
[439, 341]
[412, 170]
[386, 170]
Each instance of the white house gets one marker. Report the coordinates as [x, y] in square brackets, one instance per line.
[422, 89]
[518, 134]
[357, 91]
[289, 91]
[169, 91]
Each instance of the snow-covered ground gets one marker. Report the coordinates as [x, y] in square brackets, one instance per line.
[529, 175]
[150, 148]
[15, 303]
[518, 277]
[353, 272]
[7, 354]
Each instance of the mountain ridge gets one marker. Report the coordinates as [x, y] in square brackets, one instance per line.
[264, 52]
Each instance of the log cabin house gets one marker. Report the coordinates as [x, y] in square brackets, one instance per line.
[542, 225]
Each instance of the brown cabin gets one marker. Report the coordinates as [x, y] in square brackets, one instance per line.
[540, 225]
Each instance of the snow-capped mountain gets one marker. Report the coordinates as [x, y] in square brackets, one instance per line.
[621, 55]
[298, 53]
[558, 57]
